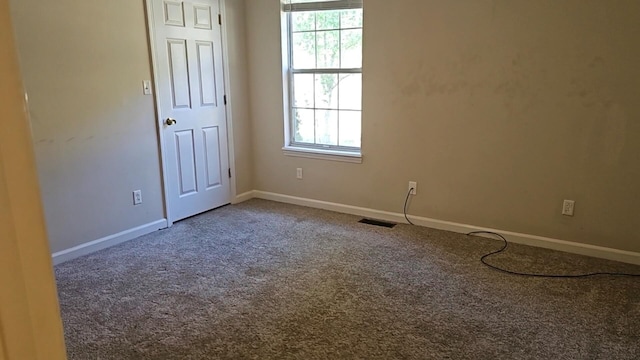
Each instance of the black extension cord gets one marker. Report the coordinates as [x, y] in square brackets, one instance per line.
[405, 206]
[506, 244]
[504, 247]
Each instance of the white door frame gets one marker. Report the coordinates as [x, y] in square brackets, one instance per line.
[159, 121]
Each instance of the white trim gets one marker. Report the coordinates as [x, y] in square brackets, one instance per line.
[519, 238]
[226, 74]
[285, 64]
[107, 241]
[159, 122]
[322, 154]
[321, 5]
[243, 197]
[291, 148]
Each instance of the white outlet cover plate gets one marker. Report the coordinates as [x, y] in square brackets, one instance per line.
[137, 197]
[567, 207]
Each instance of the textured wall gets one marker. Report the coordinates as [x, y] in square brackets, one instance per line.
[95, 133]
[499, 109]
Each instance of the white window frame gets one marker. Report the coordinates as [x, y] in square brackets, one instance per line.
[291, 148]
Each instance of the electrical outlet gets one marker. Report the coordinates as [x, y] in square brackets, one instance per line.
[567, 207]
[299, 173]
[137, 197]
[413, 186]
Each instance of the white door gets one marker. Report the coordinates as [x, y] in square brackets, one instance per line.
[190, 90]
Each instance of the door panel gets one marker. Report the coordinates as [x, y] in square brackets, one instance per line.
[186, 162]
[179, 73]
[202, 18]
[206, 72]
[173, 13]
[212, 153]
[190, 90]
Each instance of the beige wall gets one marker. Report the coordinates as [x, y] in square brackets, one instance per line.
[95, 133]
[239, 86]
[498, 109]
[30, 326]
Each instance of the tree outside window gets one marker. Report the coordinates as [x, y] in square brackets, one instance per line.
[326, 77]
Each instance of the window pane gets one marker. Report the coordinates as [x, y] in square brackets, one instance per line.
[328, 49]
[350, 92]
[303, 125]
[325, 104]
[327, 20]
[303, 20]
[350, 128]
[351, 18]
[351, 46]
[303, 90]
[304, 50]
[327, 127]
[326, 95]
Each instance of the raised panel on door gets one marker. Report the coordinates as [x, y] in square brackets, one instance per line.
[173, 13]
[179, 73]
[212, 156]
[202, 16]
[206, 73]
[186, 162]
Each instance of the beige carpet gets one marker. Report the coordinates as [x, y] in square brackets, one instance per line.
[263, 280]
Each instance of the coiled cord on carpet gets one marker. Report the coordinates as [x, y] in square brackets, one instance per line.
[506, 244]
[504, 247]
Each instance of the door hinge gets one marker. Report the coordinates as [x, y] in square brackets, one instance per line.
[225, 99]
[229, 173]
[220, 19]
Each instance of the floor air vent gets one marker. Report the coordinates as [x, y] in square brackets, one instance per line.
[377, 223]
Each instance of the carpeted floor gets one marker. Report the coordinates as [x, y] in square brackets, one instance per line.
[264, 280]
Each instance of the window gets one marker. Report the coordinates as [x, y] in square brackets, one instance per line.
[323, 65]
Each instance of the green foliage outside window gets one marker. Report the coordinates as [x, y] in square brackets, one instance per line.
[330, 40]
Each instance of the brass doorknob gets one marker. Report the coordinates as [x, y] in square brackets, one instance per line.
[170, 121]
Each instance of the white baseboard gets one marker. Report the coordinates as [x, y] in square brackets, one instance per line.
[243, 197]
[107, 241]
[519, 238]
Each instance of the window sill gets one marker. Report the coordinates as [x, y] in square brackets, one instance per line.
[333, 155]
